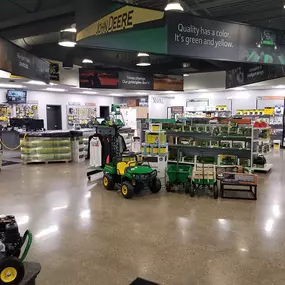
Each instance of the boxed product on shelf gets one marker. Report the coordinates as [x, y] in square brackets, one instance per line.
[227, 159]
[240, 178]
[160, 149]
[155, 127]
[226, 143]
[153, 137]
[214, 143]
[245, 162]
[238, 144]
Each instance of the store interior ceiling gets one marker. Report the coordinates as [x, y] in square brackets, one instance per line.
[35, 25]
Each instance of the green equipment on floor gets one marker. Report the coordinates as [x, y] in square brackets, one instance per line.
[12, 269]
[179, 174]
[204, 176]
[130, 175]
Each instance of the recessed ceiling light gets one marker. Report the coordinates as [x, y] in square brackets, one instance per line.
[202, 90]
[186, 74]
[173, 5]
[115, 94]
[89, 92]
[10, 85]
[142, 54]
[87, 60]
[35, 82]
[55, 89]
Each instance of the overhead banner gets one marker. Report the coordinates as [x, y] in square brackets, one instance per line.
[127, 28]
[210, 39]
[249, 74]
[135, 81]
[90, 78]
[19, 62]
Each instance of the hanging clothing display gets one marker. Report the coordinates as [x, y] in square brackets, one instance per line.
[95, 152]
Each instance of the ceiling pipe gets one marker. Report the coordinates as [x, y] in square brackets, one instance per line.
[28, 42]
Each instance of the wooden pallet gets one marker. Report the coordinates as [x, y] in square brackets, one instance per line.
[45, 161]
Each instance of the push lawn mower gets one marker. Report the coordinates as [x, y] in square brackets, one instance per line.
[11, 264]
[130, 175]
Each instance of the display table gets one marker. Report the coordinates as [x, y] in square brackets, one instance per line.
[46, 146]
[32, 270]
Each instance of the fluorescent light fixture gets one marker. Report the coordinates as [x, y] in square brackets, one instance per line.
[142, 93]
[142, 54]
[173, 5]
[11, 85]
[52, 84]
[4, 74]
[202, 90]
[72, 30]
[89, 92]
[186, 74]
[87, 60]
[59, 208]
[143, 64]
[67, 44]
[35, 82]
[55, 89]
[169, 92]
[239, 88]
[279, 86]
[47, 231]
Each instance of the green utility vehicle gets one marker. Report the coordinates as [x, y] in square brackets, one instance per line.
[130, 175]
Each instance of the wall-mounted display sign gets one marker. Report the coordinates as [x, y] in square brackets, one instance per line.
[271, 98]
[19, 62]
[54, 71]
[90, 78]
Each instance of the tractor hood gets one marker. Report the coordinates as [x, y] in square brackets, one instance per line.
[141, 169]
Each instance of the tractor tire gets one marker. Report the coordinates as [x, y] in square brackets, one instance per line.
[12, 271]
[187, 187]
[127, 190]
[168, 186]
[215, 191]
[155, 185]
[108, 181]
[192, 190]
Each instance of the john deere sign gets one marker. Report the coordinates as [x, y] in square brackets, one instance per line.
[127, 17]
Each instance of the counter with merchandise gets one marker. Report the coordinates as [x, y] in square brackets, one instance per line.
[47, 146]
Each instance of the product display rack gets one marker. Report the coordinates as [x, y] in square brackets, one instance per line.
[80, 115]
[28, 110]
[48, 146]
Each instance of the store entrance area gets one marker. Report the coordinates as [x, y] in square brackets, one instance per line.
[84, 233]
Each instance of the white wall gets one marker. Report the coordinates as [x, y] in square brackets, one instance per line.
[62, 99]
[240, 100]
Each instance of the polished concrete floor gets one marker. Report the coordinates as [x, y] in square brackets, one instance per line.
[86, 235]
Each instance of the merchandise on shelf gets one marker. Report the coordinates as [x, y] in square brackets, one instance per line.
[28, 110]
[227, 159]
[46, 146]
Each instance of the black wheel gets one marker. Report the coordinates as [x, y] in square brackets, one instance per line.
[108, 181]
[12, 271]
[138, 188]
[127, 190]
[168, 186]
[215, 191]
[155, 186]
[187, 187]
[192, 190]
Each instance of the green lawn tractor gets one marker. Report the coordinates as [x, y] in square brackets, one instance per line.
[12, 269]
[130, 175]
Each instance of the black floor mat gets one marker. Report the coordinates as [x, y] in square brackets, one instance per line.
[140, 281]
[7, 162]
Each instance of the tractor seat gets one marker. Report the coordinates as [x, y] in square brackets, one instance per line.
[121, 166]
